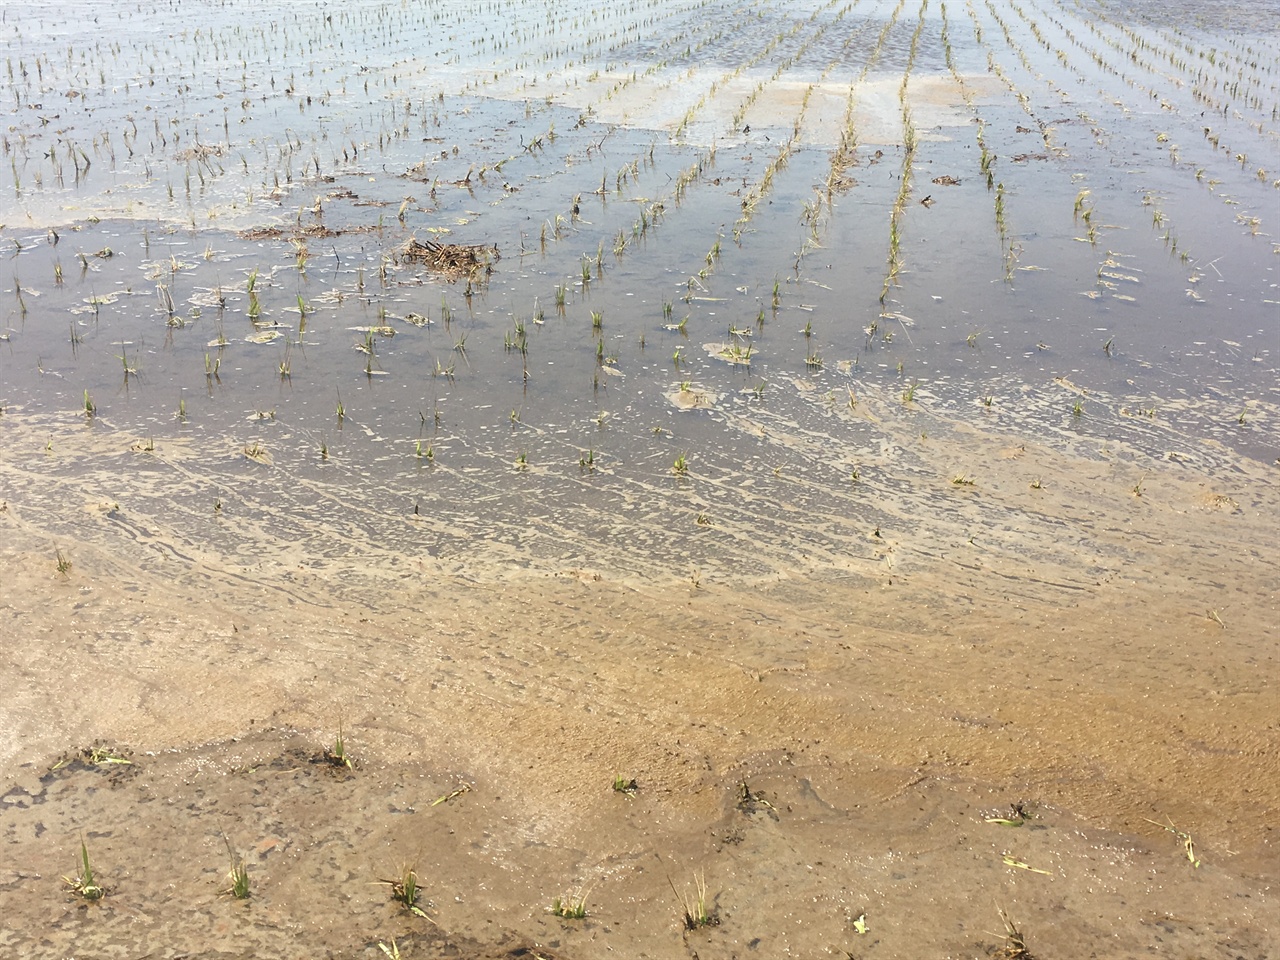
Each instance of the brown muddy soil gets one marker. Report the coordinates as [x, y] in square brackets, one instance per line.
[828, 754]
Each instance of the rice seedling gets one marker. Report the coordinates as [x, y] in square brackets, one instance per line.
[1188, 845]
[255, 306]
[587, 462]
[392, 952]
[166, 301]
[85, 884]
[130, 369]
[404, 890]
[238, 876]
[1216, 618]
[625, 786]
[1079, 204]
[695, 913]
[681, 467]
[570, 908]
[337, 755]
[63, 562]
[736, 354]
[89, 408]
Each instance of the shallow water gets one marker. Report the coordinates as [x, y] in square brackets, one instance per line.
[1155, 292]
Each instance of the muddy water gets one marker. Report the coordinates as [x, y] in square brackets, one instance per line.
[840, 520]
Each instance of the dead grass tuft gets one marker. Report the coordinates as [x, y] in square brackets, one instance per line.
[1014, 946]
[455, 260]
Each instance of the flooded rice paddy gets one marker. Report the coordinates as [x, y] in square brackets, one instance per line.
[319, 307]
[772, 255]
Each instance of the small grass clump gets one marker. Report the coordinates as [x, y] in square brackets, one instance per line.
[86, 884]
[405, 891]
[695, 913]
[570, 908]
[238, 875]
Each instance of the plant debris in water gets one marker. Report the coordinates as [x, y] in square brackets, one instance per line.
[455, 260]
[1014, 946]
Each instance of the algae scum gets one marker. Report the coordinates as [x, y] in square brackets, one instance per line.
[686, 288]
